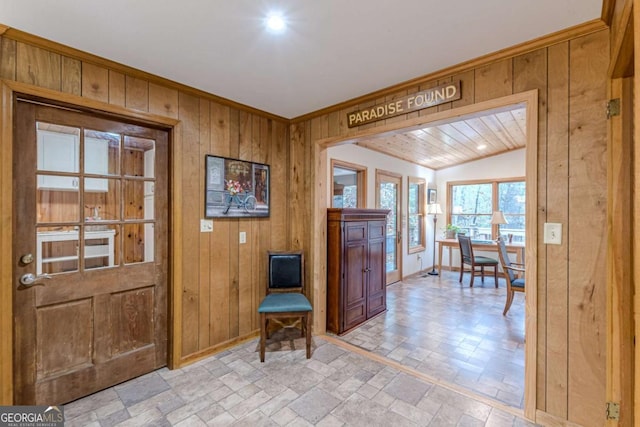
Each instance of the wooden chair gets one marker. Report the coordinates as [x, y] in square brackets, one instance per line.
[284, 299]
[510, 271]
[467, 257]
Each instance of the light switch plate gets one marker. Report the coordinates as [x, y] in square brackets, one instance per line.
[243, 237]
[552, 233]
[206, 225]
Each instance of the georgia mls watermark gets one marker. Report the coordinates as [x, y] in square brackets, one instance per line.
[31, 416]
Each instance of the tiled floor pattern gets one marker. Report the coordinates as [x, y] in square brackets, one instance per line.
[453, 333]
[338, 387]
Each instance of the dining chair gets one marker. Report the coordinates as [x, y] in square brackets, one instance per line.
[477, 263]
[284, 299]
[511, 271]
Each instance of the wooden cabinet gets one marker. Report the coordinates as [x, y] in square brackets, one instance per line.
[356, 250]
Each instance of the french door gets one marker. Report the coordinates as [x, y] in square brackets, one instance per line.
[389, 196]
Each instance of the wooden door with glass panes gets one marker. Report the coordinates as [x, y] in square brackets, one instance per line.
[90, 239]
[389, 196]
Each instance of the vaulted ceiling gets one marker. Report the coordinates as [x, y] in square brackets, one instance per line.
[455, 142]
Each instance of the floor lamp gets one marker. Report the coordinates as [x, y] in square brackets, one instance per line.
[434, 209]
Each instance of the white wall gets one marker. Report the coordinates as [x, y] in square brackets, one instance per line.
[507, 165]
[373, 160]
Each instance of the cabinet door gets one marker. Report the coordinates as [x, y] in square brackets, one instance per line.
[376, 286]
[58, 152]
[354, 285]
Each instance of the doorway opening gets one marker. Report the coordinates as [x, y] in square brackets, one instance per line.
[528, 104]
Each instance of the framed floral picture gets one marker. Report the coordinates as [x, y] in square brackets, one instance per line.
[235, 188]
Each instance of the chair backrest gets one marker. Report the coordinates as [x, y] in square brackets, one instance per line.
[286, 272]
[504, 259]
[466, 252]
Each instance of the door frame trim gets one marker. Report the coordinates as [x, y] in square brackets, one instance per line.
[9, 91]
[318, 260]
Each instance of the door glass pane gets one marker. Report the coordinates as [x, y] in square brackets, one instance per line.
[56, 204]
[138, 242]
[101, 205]
[100, 243]
[101, 153]
[134, 199]
[58, 148]
[56, 250]
[388, 200]
[139, 157]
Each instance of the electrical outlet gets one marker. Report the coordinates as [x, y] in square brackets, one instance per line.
[206, 225]
[243, 237]
[552, 233]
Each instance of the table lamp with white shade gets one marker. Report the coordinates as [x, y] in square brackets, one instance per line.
[498, 218]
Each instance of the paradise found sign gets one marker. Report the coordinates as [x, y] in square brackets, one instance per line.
[416, 101]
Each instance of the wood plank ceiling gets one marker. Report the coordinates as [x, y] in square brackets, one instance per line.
[442, 145]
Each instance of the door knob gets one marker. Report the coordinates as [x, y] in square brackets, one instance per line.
[30, 279]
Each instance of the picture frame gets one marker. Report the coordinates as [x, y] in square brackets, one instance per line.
[432, 196]
[235, 188]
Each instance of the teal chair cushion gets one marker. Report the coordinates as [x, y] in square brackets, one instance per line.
[485, 260]
[278, 303]
[518, 283]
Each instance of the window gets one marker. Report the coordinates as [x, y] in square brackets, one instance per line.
[417, 188]
[348, 185]
[471, 205]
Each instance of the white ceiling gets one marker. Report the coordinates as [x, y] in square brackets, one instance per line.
[333, 51]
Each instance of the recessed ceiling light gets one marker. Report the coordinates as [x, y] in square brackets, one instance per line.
[275, 23]
[482, 146]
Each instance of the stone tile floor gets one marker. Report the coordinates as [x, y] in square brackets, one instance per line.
[337, 386]
[454, 333]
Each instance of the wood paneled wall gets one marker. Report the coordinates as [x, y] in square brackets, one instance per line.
[571, 79]
[221, 281]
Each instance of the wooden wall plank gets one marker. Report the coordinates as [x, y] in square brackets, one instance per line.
[467, 88]
[95, 82]
[279, 159]
[530, 72]
[38, 67]
[245, 253]
[71, 76]
[117, 88]
[493, 80]
[137, 93]
[204, 276]
[220, 250]
[234, 230]
[552, 262]
[7, 58]
[261, 228]
[587, 217]
[163, 101]
[190, 115]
